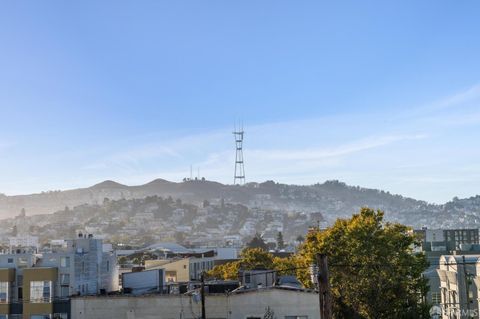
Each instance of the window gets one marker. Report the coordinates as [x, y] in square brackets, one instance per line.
[436, 298]
[4, 287]
[22, 262]
[64, 291]
[65, 262]
[40, 291]
[108, 265]
[60, 316]
[40, 317]
[10, 260]
[64, 279]
[296, 317]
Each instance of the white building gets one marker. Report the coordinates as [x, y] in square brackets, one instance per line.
[23, 242]
[72, 267]
[89, 268]
[252, 304]
[459, 285]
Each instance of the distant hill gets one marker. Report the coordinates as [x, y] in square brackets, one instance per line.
[332, 198]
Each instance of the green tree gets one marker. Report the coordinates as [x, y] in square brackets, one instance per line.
[254, 258]
[250, 258]
[122, 260]
[285, 266]
[280, 242]
[206, 203]
[227, 271]
[14, 231]
[374, 273]
[257, 242]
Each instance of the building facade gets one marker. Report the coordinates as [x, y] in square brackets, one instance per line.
[446, 240]
[437, 242]
[459, 284]
[182, 270]
[39, 285]
[250, 304]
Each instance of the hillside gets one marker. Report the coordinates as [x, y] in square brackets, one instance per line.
[204, 212]
[332, 197]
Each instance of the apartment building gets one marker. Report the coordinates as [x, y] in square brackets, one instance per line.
[443, 240]
[435, 243]
[39, 285]
[22, 242]
[459, 283]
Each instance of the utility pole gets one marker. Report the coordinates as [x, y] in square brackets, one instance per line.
[325, 298]
[202, 294]
[467, 284]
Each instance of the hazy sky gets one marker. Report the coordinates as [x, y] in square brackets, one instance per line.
[382, 94]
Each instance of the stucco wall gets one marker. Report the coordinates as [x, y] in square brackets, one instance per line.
[237, 306]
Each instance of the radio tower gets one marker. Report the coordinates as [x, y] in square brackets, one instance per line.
[239, 176]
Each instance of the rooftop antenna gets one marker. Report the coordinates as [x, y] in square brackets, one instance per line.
[239, 174]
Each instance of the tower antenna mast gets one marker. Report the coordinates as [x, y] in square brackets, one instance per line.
[239, 175]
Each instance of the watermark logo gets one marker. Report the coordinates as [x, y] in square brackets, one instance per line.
[436, 312]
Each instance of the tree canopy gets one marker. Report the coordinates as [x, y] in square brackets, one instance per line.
[250, 259]
[280, 242]
[373, 270]
[257, 242]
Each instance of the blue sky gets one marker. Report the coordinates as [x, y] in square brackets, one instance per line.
[382, 94]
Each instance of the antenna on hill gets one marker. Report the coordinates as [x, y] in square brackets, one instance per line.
[239, 174]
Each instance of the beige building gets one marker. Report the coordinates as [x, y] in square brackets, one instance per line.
[38, 286]
[37, 292]
[7, 277]
[181, 270]
[175, 271]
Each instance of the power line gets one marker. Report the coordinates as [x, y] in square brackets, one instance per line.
[353, 265]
